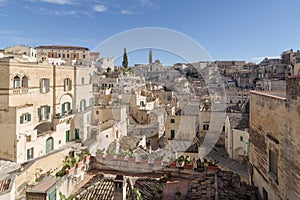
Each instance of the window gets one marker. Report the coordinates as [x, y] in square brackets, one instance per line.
[82, 80]
[28, 138]
[83, 56]
[67, 84]
[25, 82]
[25, 118]
[44, 85]
[44, 112]
[68, 56]
[64, 55]
[74, 56]
[66, 107]
[91, 102]
[142, 103]
[59, 55]
[273, 163]
[82, 105]
[205, 127]
[97, 112]
[29, 153]
[16, 82]
[52, 55]
[172, 134]
[172, 120]
[241, 138]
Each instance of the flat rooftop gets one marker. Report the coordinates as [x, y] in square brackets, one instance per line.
[43, 186]
[62, 47]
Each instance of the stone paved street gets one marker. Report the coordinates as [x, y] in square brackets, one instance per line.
[226, 163]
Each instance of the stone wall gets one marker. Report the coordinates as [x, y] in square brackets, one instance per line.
[275, 126]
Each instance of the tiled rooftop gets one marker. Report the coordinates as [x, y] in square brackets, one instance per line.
[100, 187]
[4, 184]
[221, 185]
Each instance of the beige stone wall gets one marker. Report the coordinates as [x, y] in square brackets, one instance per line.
[29, 99]
[275, 126]
[8, 135]
[28, 175]
[185, 127]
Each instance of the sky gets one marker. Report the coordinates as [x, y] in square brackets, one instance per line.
[226, 29]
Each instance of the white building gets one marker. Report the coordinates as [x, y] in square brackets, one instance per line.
[236, 137]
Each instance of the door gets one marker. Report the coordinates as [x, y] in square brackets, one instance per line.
[77, 134]
[49, 145]
[67, 136]
[52, 195]
[172, 134]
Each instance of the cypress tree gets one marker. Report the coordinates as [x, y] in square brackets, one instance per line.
[125, 59]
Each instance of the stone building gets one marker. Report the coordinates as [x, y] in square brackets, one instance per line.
[237, 135]
[275, 142]
[38, 103]
[67, 53]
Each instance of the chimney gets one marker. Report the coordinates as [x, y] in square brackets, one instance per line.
[120, 188]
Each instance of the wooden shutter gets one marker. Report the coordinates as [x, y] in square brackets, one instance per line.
[21, 119]
[29, 117]
[69, 106]
[62, 108]
[41, 85]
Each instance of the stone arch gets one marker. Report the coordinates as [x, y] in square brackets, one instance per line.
[16, 81]
[238, 153]
[24, 82]
[49, 144]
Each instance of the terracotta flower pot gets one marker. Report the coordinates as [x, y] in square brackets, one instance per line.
[213, 168]
[87, 158]
[143, 161]
[119, 158]
[188, 166]
[80, 163]
[157, 162]
[99, 156]
[69, 171]
[131, 159]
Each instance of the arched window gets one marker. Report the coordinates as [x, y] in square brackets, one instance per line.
[17, 82]
[25, 82]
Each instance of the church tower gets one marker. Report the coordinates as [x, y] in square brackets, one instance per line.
[150, 56]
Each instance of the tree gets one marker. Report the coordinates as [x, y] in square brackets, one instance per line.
[125, 59]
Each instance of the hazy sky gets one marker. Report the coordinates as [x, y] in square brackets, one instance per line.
[227, 29]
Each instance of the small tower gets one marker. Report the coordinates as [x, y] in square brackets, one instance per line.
[120, 188]
[150, 56]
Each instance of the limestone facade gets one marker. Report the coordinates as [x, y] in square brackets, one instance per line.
[275, 141]
[38, 102]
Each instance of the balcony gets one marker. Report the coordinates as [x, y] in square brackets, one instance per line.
[17, 91]
[63, 117]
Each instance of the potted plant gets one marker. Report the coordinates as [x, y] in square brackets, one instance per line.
[131, 156]
[79, 162]
[144, 158]
[110, 154]
[69, 163]
[59, 173]
[100, 153]
[188, 163]
[158, 159]
[86, 155]
[121, 156]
